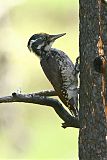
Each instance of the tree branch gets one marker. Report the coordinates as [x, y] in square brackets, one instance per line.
[39, 98]
[48, 93]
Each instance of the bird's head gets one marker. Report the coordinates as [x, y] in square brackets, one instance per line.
[42, 42]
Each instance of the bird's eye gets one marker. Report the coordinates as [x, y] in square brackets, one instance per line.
[46, 37]
[47, 41]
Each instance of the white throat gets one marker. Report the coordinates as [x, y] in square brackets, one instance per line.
[48, 47]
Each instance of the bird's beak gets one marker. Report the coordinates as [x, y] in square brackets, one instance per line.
[54, 37]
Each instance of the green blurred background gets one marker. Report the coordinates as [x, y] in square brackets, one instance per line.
[31, 131]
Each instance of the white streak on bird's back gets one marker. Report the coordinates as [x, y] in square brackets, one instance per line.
[66, 66]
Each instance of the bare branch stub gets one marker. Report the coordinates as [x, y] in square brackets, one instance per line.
[69, 121]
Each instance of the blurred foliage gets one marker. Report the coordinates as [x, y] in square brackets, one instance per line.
[32, 131]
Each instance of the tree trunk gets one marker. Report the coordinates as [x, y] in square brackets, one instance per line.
[93, 129]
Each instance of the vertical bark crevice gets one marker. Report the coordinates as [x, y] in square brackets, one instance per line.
[104, 38]
[92, 136]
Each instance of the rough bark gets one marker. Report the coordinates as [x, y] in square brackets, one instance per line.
[92, 135]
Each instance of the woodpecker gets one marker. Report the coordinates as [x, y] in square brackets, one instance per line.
[58, 68]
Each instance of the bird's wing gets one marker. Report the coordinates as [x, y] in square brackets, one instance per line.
[51, 69]
[59, 69]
